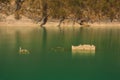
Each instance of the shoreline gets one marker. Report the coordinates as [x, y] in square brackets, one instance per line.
[9, 21]
[48, 24]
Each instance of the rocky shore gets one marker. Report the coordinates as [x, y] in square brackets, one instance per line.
[24, 21]
[29, 18]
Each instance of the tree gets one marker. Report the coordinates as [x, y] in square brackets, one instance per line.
[18, 4]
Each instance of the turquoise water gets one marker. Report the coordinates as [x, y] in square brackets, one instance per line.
[51, 56]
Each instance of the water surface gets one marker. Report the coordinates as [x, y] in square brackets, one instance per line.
[51, 56]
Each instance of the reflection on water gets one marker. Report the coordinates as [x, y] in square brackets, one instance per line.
[51, 54]
[76, 52]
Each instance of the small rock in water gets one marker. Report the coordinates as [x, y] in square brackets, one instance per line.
[23, 51]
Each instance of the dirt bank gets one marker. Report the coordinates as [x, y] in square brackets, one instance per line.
[24, 21]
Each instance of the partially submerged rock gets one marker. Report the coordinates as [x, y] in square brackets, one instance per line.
[23, 51]
[86, 48]
[58, 49]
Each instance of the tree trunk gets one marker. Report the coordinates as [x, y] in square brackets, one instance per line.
[44, 7]
[18, 4]
[44, 15]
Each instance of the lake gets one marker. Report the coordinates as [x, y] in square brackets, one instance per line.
[51, 56]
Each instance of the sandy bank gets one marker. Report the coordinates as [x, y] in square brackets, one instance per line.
[25, 22]
[11, 21]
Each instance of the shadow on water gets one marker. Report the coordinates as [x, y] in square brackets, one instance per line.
[51, 55]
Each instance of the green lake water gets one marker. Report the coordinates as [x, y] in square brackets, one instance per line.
[51, 56]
